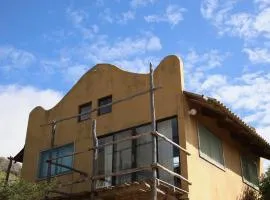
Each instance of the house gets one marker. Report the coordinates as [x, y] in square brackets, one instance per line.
[205, 151]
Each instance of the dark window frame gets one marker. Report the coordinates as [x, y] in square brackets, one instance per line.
[39, 177]
[80, 108]
[133, 146]
[206, 157]
[108, 109]
[252, 159]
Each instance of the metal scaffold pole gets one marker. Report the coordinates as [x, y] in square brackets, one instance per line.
[154, 137]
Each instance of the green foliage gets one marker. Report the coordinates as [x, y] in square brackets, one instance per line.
[15, 168]
[249, 194]
[265, 186]
[23, 190]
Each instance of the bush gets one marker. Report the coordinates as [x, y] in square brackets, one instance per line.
[265, 186]
[249, 194]
[23, 190]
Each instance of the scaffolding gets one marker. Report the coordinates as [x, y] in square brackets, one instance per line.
[155, 185]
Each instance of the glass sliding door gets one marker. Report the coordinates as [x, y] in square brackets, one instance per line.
[168, 155]
[104, 164]
[144, 152]
[122, 156]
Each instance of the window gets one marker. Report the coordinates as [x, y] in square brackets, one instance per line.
[169, 129]
[138, 153]
[102, 102]
[85, 108]
[210, 147]
[143, 152]
[104, 163]
[56, 152]
[249, 171]
[123, 156]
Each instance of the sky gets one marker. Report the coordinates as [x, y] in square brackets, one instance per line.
[45, 46]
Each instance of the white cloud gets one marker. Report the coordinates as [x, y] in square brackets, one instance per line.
[213, 81]
[72, 62]
[121, 18]
[107, 16]
[141, 3]
[79, 21]
[248, 95]
[138, 65]
[13, 58]
[73, 73]
[123, 48]
[208, 7]
[204, 61]
[15, 104]
[258, 55]
[262, 3]
[125, 17]
[262, 22]
[173, 15]
[243, 24]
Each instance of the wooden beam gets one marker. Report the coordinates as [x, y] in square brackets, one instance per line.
[103, 106]
[173, 173]
[154, 137]
[172, 186]
[8, 169]
[123, 172]
[68, 167]
[211, 113]
[171, 142]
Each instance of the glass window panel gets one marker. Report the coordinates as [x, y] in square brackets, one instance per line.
[56, 152]
[102, 102]
[86, 108]
[249, 170]
[123, 156]
[168, 156]
[104, 164]
[210, 145]
[144, 152]
[43, 165]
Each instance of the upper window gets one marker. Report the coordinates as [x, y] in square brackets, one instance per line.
[210, 146]
[103, 102]
[84, 110]
[54, 153]
[249, 170]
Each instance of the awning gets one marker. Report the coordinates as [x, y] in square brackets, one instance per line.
[19, 156]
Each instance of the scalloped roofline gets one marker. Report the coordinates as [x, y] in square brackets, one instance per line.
[99, 65]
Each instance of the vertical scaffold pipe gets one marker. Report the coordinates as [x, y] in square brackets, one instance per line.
[49, 169]
[94, 158]
[154, 137]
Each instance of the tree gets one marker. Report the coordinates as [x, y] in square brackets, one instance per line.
[265, 185]
[19, 189]
[249, 194]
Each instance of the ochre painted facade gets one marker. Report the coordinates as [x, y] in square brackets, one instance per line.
[208, 181]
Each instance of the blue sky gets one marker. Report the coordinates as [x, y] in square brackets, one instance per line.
[45, 46]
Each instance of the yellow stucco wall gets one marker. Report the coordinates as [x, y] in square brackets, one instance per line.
[208, 181]
[100, 81]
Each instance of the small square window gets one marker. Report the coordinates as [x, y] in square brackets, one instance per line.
[85, 108]
[103, 102]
